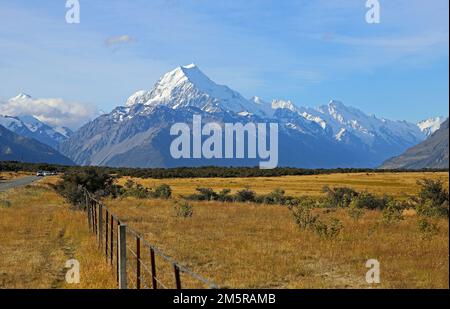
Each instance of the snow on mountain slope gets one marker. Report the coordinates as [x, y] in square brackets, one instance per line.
[139, 97]
[29, 126]
[431, 125]
[188, 86]
[338, 116]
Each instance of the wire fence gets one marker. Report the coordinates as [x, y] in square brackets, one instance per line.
[137, 264]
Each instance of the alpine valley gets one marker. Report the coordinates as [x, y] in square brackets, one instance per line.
[137, 134]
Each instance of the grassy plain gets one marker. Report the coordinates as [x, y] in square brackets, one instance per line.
[259, 246]
[234, 245]
[397, 184]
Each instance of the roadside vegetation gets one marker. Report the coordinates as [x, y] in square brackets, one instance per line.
[39, 233]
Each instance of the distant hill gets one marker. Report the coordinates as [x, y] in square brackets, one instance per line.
[431, 153]
[14, 147]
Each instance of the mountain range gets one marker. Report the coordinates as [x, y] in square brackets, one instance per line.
[431, 153]
[29, 126]
[137, 133]
[15, 147]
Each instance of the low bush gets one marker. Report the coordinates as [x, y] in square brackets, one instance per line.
[183, 209]
[136, 190]
[96, 182]
[245, 195]
[303, 216]
[329, 231]
[339, 196]
[366, 200]
[427, 229]
[393, 211]
[5, 203]
[225, 196]
[203, 194]
[433, 199]
[354, 212]
[306, 220]
[162, 191]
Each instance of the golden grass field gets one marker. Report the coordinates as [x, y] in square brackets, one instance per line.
[259, 246]
[38, 234]
[234, 245]
[397, 184]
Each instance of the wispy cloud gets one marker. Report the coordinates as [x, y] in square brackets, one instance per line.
[119, 40]
[53, 111]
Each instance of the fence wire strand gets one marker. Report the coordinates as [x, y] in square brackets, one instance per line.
[93, 212]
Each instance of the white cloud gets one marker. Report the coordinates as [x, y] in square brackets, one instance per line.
[53, 111]
[121, 39]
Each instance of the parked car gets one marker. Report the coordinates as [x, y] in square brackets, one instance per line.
[40, 174]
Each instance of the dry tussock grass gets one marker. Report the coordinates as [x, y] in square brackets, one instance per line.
[13, 175]
[38, 234]
[259, 246]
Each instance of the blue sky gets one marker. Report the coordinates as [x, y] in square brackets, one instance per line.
[305, 51]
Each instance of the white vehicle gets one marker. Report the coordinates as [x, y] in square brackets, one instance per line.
[40, 174]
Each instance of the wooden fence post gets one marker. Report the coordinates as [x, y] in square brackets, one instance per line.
[106, 233]
[138, 262]
[94, 212]
[153, 264]
[100, 225]
[112, 239]
[89, 211]
[122, 256]
[177, 276]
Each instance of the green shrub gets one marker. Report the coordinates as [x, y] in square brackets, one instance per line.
[328, 231]
[339, 197]
[245, 195]
[135, 190]
[163, 191]
[304, 217]
[433, 199]
[95, 181]
[274, 197]
[366, 200]
[225, 196]
[427, 229]
[5, 203]
[183, 209]
[393, 211]
[354, 211]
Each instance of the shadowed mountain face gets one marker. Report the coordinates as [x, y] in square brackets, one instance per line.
[138, 133]
[14, 147]
[431, 153]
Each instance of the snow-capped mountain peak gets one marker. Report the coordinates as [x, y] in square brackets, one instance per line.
[276, 104]
[189, 86]
[21, 96]
[431, 125]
